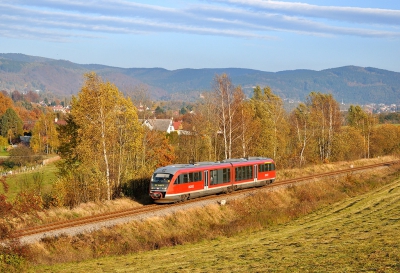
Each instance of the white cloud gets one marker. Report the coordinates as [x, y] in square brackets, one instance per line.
[58, 20]
[348, 14]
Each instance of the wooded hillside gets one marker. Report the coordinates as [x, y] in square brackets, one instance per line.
[352, 84]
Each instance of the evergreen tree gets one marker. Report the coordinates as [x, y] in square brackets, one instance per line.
[11, 125]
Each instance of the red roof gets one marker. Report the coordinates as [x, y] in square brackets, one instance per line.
[177, 125]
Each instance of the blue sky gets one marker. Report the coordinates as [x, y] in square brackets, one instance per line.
[265, 35]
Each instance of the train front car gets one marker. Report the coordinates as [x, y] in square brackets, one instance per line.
[159, 183]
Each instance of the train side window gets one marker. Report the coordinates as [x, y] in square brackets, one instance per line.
[266, 167]
[196, 176]
[186, 178]
[220, 179]
[214, 177]
[243, 173]
[220, 176]
[183, 178]
[249, 172]
[179, 180]
[190, 177]
[226, 175]
[237, 174]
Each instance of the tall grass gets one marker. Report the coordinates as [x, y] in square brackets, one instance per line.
[264, 209]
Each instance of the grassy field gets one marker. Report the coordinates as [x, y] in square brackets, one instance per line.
[42, 177]
[3, 151]
[357, 234]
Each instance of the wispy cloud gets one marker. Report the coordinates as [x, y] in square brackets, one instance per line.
[64, 20]
[347, 14]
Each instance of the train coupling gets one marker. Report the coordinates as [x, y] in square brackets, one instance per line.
[156, 195]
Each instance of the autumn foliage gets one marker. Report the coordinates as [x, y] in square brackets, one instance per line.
[104, 145]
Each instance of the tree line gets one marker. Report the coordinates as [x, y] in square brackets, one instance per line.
[226, 124]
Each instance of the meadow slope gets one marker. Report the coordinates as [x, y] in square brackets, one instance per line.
[359, 234]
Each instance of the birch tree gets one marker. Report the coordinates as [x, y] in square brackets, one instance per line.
[326, 122]
[301, 129]
[274, 127]
[227, 101]
[248, 130]
[108, 136]
[364, 122]
[44, 135]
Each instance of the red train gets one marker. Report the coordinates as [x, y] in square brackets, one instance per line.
[180, 182]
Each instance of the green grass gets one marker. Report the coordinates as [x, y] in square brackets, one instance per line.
[22, 181]
[3, 151]
[358, 234]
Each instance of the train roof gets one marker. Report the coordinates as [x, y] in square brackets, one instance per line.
[172, 169]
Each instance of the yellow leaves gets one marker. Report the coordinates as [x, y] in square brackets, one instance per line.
[348, 145]
[45, 135]
[5, 103]
[385, 140]
[108, 133]
[273, 123]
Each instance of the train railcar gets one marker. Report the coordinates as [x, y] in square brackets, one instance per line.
[180, 182]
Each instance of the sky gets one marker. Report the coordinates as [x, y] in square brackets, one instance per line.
[264, 35]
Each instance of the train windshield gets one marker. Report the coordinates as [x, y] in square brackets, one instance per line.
[161, 177]
[160, 181]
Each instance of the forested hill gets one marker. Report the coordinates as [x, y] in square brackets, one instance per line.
[351, 84]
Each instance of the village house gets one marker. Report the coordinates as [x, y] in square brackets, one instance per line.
[163, 125]
[60, 109]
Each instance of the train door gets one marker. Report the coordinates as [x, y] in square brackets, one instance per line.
[206, 180]
[255, 173]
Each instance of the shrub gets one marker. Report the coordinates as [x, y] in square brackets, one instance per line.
[22, 155]
[12, 257]
[5, 207]
[27, 202]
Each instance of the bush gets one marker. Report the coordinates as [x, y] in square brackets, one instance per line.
[5, 230]
[28, 202]
[137, 189]
[51, 201]
[5, 207]
[12, 257]
[22, 155]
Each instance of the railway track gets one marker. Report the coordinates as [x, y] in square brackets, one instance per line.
[106, 217]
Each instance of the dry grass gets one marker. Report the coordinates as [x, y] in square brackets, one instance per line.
[59, 214]
[263, 213]
[327, 167]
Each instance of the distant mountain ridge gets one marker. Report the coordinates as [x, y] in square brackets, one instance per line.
[352, 84]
